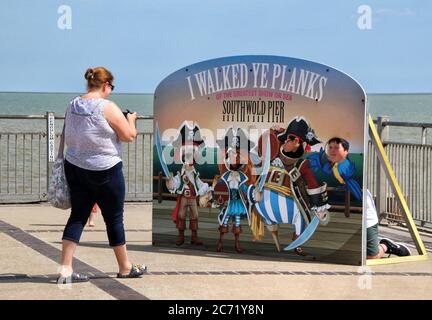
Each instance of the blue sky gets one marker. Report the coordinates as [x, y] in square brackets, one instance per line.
[142, 42]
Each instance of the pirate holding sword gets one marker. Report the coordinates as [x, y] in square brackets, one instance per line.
[186, 183]
[290, 192]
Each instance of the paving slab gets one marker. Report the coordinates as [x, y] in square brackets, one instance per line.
[181, 273]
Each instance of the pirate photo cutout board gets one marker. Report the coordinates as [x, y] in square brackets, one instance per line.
[260, 155]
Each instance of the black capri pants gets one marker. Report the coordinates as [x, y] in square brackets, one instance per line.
[107, 189]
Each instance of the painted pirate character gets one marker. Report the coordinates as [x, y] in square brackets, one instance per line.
[187, 184]
[291, 193]
[234, 178]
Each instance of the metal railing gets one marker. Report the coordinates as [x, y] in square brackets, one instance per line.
[24, 167]
[160, 193]
[25, 163]
[138, 167]
[412, 165]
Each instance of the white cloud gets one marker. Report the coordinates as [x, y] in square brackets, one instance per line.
[395, 12]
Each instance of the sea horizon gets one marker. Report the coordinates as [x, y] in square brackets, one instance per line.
[403, 107]
[151, 93]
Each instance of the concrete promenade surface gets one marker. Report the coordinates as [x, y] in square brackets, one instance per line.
[30, 237]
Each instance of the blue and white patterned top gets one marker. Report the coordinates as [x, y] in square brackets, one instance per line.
[91, 142]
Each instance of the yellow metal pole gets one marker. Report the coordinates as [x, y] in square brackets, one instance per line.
[399, 196]
[375, 262]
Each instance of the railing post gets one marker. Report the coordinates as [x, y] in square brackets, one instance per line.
[423, 135]
[347, 202]
[50, 147]
[160, 187]
[383, 132]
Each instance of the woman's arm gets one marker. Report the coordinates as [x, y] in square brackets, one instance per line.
[124, 128]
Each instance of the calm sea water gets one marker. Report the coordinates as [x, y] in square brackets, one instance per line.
[403, 107]
[399, 107]
[39, 103]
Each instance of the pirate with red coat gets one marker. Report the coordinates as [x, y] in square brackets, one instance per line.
[187, 184]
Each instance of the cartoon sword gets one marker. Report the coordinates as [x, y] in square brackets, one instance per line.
[266, 165]
[162, 161]
[264, 171]
[305, 235]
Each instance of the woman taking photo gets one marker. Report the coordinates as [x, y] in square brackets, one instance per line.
[94, 130]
